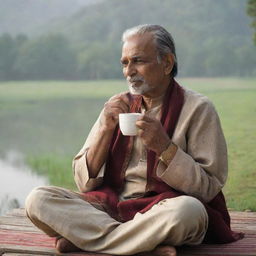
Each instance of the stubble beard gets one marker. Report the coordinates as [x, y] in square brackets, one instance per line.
[137, 90]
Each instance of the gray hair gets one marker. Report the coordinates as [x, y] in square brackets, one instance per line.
[163, 40]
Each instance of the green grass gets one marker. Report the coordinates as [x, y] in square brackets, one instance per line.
[48, 122]
[41, 90]
[56, 168]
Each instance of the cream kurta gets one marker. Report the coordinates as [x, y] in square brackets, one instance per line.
[199, 167]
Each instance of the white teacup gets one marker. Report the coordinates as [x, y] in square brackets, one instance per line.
[127, 123]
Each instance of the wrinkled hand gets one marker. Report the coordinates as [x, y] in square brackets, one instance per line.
[153, 134]
[112, 108]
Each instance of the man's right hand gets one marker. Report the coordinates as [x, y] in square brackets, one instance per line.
[98, 150]
[112, 108]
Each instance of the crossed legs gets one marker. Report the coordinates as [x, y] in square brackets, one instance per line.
[171, 222]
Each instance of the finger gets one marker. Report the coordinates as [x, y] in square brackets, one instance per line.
[141, 117]
[142, 124]
[140, 132]
[122, 107]
[115, 111]
[117, 104]
[122, 97]
[147, 118]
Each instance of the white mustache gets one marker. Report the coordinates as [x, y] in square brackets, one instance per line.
[135, 79]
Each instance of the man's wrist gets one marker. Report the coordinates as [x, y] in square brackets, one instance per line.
[168, 154]
[104, 129]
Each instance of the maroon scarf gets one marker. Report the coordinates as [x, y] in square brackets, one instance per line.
[106, 196]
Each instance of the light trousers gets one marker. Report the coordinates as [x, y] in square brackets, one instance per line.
[58, 211]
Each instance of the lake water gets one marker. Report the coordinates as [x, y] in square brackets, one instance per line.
[16, 181]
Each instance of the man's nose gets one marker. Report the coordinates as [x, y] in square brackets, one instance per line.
[130, 70]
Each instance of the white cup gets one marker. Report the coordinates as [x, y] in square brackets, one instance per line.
[127, 123]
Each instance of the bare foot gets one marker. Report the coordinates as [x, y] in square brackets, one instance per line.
[161, 250]
[63, 245]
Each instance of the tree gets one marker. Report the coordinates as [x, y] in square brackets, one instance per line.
[8, 56]
[47, 57]
[99, 61]
[9, 50]
[251, 10]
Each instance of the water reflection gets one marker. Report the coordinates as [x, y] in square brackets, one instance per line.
[16, 181]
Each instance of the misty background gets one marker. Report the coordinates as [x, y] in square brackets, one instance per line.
[80, 39]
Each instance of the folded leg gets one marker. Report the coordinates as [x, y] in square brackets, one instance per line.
[57, 211]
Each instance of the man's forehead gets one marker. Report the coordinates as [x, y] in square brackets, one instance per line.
[139, 45]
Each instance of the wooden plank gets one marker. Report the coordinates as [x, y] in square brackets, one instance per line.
[17, 221]
[67, 254]
[34, 250]
[16, 212]
[13, 241]
[21, 254]
[26, 250]
[244, 247]
[5, 248]
[21, 228]
[20, 237]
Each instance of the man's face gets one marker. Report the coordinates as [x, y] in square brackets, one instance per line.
[144, 74]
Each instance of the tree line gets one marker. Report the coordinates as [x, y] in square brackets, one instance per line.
[54, 57]
[47, 57]
[251, 11]
[213, 38]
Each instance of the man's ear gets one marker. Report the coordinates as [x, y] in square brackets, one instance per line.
[169, 63]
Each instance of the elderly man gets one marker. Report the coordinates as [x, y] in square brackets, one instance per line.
[153, 191]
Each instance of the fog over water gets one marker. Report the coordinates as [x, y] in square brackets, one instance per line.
[16, 181]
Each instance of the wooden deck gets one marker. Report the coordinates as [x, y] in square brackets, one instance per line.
[19, 237]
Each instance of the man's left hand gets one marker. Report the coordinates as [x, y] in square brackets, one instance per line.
[153, 134]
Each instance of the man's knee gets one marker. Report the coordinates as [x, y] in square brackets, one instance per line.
[190, 208]
[34, 201]
[183, 202]
[190, 218]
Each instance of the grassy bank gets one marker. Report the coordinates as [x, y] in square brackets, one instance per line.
[48, 122]
[56, 168]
